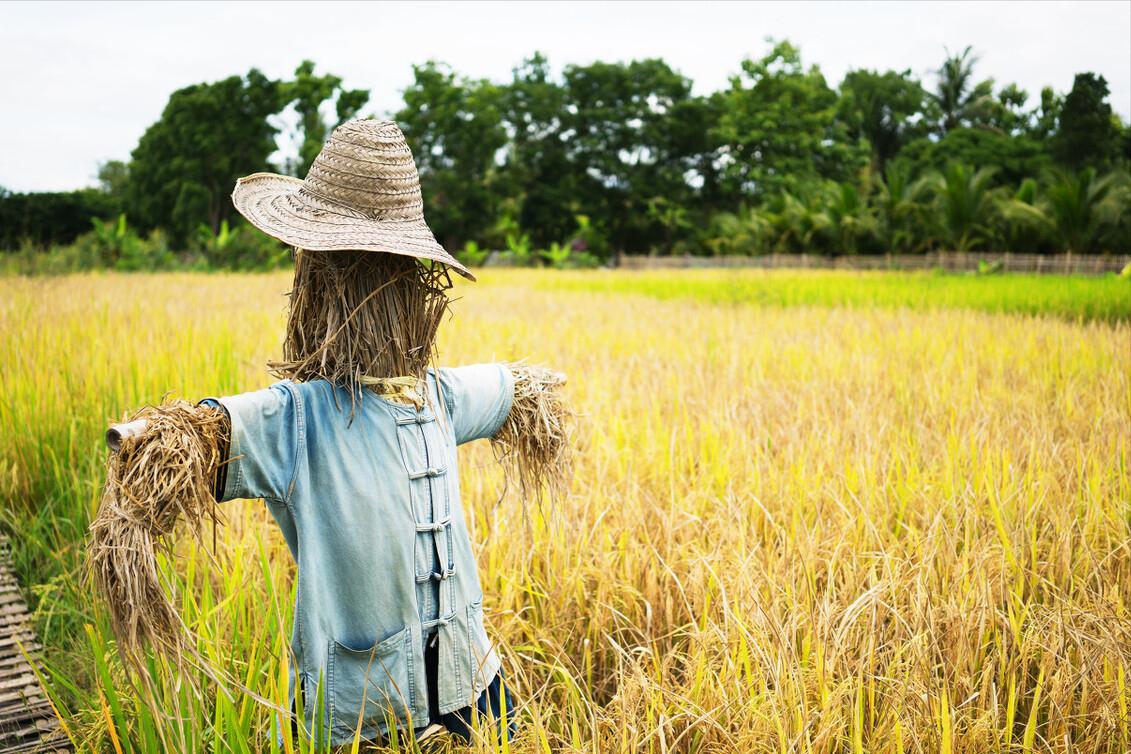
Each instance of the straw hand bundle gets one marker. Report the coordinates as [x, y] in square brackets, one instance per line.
[534, 442]
[161, 475]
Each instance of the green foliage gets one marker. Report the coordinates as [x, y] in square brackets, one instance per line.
[779, 129]
[537, 175]
[1080, 211]
[307, 93]
[989, 268]
[557, 256]
[901, 209]
[118, 246]
[965, 204]
[1014, 158]
[209, 135]
[519, 249]
[1088, 135]
[454, 127]
[44, 219]
[114, 178]
[746, 232]
[958, 100]
[472, 255]
[588, 239]
[620, 158]
[239, 248]
[881, 109]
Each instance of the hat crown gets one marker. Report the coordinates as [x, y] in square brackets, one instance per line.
[366, 168]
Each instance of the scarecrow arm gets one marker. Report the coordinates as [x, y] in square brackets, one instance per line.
[533, 443]
[117, 434]
[162, 472]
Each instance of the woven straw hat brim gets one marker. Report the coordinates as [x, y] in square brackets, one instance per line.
[273, 204]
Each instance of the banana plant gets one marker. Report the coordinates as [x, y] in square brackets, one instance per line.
[472, 255]
[557, 255]
[518, 246]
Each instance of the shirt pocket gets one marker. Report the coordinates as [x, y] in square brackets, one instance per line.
[370, 685]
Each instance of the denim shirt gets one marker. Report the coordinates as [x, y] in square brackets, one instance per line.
[370, 510]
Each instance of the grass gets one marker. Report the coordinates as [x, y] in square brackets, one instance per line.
[1073, 297]
[823, 529]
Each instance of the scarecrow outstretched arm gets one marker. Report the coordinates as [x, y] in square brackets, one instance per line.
[163, 469]
[533, 442]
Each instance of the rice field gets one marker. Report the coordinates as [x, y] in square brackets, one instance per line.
[811, 513]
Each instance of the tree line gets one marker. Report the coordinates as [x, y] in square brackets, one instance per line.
[624, 157]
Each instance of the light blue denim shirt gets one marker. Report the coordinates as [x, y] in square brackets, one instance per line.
[371, 513]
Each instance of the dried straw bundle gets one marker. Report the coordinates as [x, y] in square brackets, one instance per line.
[357, 314]
[534, 444]
[156, 479]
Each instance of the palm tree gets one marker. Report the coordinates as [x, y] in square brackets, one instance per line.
[901, 209]
[1024, 228]
[850, 219]
[958, 99]
[1077, 209]
[797, 221]
[966, 204]
[744, 232]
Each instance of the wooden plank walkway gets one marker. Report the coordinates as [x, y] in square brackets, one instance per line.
[27, 719]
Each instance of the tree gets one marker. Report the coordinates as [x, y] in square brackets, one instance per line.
[631, 140]
[209, 135]
[901, 211]
[537, 175]
[46, 218]
[1047, 115]
[851, 222]
[778, 128]
[1088, 135]
[113, 178]
[1080, 210]
[1014, 157]
[884, 108]
[965, 203]
[455, 129]
[1007, 114]
[959, 100]
[307, 93]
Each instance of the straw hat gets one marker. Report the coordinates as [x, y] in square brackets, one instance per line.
[362, 193]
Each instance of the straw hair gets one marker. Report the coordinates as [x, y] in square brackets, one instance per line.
[362, 194]
[362, 318]
[533, 444]
[155, 481]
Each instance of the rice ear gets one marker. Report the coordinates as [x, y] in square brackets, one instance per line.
[156, 480]
[534, 442]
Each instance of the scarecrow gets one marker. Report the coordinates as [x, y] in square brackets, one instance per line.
[353, 452]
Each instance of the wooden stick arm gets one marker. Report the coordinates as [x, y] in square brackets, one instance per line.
[118, 432]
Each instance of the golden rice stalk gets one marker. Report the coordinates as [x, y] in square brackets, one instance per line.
[156, 479]
[534, 442]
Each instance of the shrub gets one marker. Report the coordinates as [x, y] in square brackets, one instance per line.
[472, 255]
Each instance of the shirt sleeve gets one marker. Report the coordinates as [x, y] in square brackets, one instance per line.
[264, 448]
[478, 399]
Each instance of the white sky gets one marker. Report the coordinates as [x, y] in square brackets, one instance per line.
[80, 82]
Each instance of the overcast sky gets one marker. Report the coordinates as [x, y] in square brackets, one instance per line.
[79, 83]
